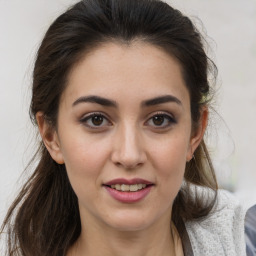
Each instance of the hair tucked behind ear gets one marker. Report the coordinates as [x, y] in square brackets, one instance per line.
[44, 219]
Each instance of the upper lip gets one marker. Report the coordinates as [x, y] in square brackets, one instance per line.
[128, 182]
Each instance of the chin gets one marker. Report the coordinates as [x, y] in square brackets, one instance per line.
[130, 222]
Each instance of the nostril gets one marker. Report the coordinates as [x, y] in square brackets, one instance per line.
[127, 155]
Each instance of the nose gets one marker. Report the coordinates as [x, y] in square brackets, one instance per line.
[128, 148]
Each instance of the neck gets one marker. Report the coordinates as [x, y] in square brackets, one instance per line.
[98, 240]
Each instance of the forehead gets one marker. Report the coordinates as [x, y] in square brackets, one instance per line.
[120, 71]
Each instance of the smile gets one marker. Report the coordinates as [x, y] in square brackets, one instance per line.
[128, 191]
[131, 188]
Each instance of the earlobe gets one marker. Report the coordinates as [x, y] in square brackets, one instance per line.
[198, 134]
[50, 138]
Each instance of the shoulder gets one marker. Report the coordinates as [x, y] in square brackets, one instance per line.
[222, 231]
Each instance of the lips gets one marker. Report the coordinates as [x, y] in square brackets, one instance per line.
[131, 188]
[128, 182]
[128, 191]
[131, 185]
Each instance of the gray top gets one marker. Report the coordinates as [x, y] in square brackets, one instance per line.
[221, 233]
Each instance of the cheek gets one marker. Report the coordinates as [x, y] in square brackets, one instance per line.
[170, 161]
[84, 162]
[84, 159]
[171, 152]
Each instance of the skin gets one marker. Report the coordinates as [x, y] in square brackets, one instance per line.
[131, 140]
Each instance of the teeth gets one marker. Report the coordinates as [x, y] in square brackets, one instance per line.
[125, 187]
[131, 188]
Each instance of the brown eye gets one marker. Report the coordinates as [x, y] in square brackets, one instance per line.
[161, 121]
[158, 120]
[97, 120]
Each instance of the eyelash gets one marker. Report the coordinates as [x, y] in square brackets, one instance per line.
[166, 118]
[90, 116]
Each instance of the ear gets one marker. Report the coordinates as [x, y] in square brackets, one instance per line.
[198, 133]
[50, 138]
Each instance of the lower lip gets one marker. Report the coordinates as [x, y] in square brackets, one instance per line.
[128, 197]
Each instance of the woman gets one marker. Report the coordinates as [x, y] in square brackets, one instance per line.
[120, 97]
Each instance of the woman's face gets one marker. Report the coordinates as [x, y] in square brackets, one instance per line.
[124, 120]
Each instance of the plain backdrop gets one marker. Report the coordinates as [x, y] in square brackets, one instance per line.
[230, 28]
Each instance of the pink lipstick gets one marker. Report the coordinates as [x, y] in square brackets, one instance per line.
[128, 191]
[128, 182]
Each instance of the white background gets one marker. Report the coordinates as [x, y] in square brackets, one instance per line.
[231, 30]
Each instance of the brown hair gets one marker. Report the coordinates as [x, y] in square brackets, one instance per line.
[44, 219]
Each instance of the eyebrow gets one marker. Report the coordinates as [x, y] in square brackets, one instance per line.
[161, 100]
[95, 99]
[110, 103]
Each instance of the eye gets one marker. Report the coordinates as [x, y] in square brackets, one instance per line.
[161, 120]
[95, 120]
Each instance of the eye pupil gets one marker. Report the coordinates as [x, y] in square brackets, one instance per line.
[97, 120]
[158, 120]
